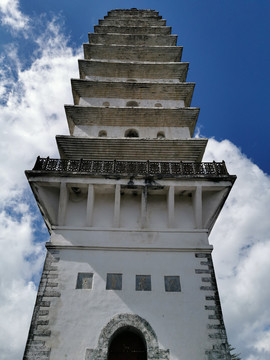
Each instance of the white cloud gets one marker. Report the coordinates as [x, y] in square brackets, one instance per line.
[17, 291]
[32, 113]
[241, 241]
[12, 17]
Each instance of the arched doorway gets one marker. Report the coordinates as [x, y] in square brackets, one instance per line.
[120, 324]
[127, 345]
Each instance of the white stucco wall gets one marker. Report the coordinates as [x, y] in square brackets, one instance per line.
[132, 80]
[178, 318]
[86, 101]
[144, 132]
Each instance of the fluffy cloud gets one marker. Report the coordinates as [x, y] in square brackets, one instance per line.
[32, 113]
[241, 240]
[12, 17]
[17, 290]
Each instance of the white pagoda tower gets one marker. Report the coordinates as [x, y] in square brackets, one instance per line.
[129, 207]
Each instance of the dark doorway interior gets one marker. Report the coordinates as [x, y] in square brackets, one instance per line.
[127, 345]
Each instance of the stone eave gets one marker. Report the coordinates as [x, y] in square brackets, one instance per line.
[134, 69]
[128, 90]
[133, 52]
[130, 117]
[132, 39]
[130, 148]
[117, 29]
[145, 13]
[132, 21]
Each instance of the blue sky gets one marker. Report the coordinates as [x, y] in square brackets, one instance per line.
[227, 45]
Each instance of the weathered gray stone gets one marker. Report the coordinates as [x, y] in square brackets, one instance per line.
[133, 53]
[132, 22]
[43, 312]
[52, 294]
[130, 117]
[135, 70]
[45, 304]
[39, 331]
[42, 332]
[129, 90]
[105, 29]
[220, 348]
[51, 284]
[42, 322]
[202, 271]
[133, 39]
[130, 149]
[202, 255]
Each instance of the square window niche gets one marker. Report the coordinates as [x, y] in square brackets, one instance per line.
[172, 283]
[84, 281]
[143, 282]
[114, 281]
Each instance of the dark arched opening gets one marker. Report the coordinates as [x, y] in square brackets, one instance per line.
[131, 133]
[127, 345]
[160, 135]
[132, 103]
[102, 133]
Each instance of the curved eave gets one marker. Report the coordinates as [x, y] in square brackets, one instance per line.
[133, 39]
[133, 52]
[135, 13]
[130, 117]
[135, 70]
[132, 21]
[128, 90]
[131, 149]
[117, 29]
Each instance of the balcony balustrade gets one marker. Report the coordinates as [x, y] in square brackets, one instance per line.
[132, 168]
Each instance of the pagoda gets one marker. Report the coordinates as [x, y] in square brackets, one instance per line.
[129, 206]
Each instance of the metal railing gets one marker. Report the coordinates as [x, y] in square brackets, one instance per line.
[123, 167]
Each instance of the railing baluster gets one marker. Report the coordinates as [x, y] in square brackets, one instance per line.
[46, 163]
[224, 168]
[179, 168]
[215, 167]
[37, 163]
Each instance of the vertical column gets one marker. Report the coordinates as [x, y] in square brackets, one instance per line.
[170, 207]
[197, 207]
[116, 217]
[144, 206]
[62, 206]
[90, 205]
